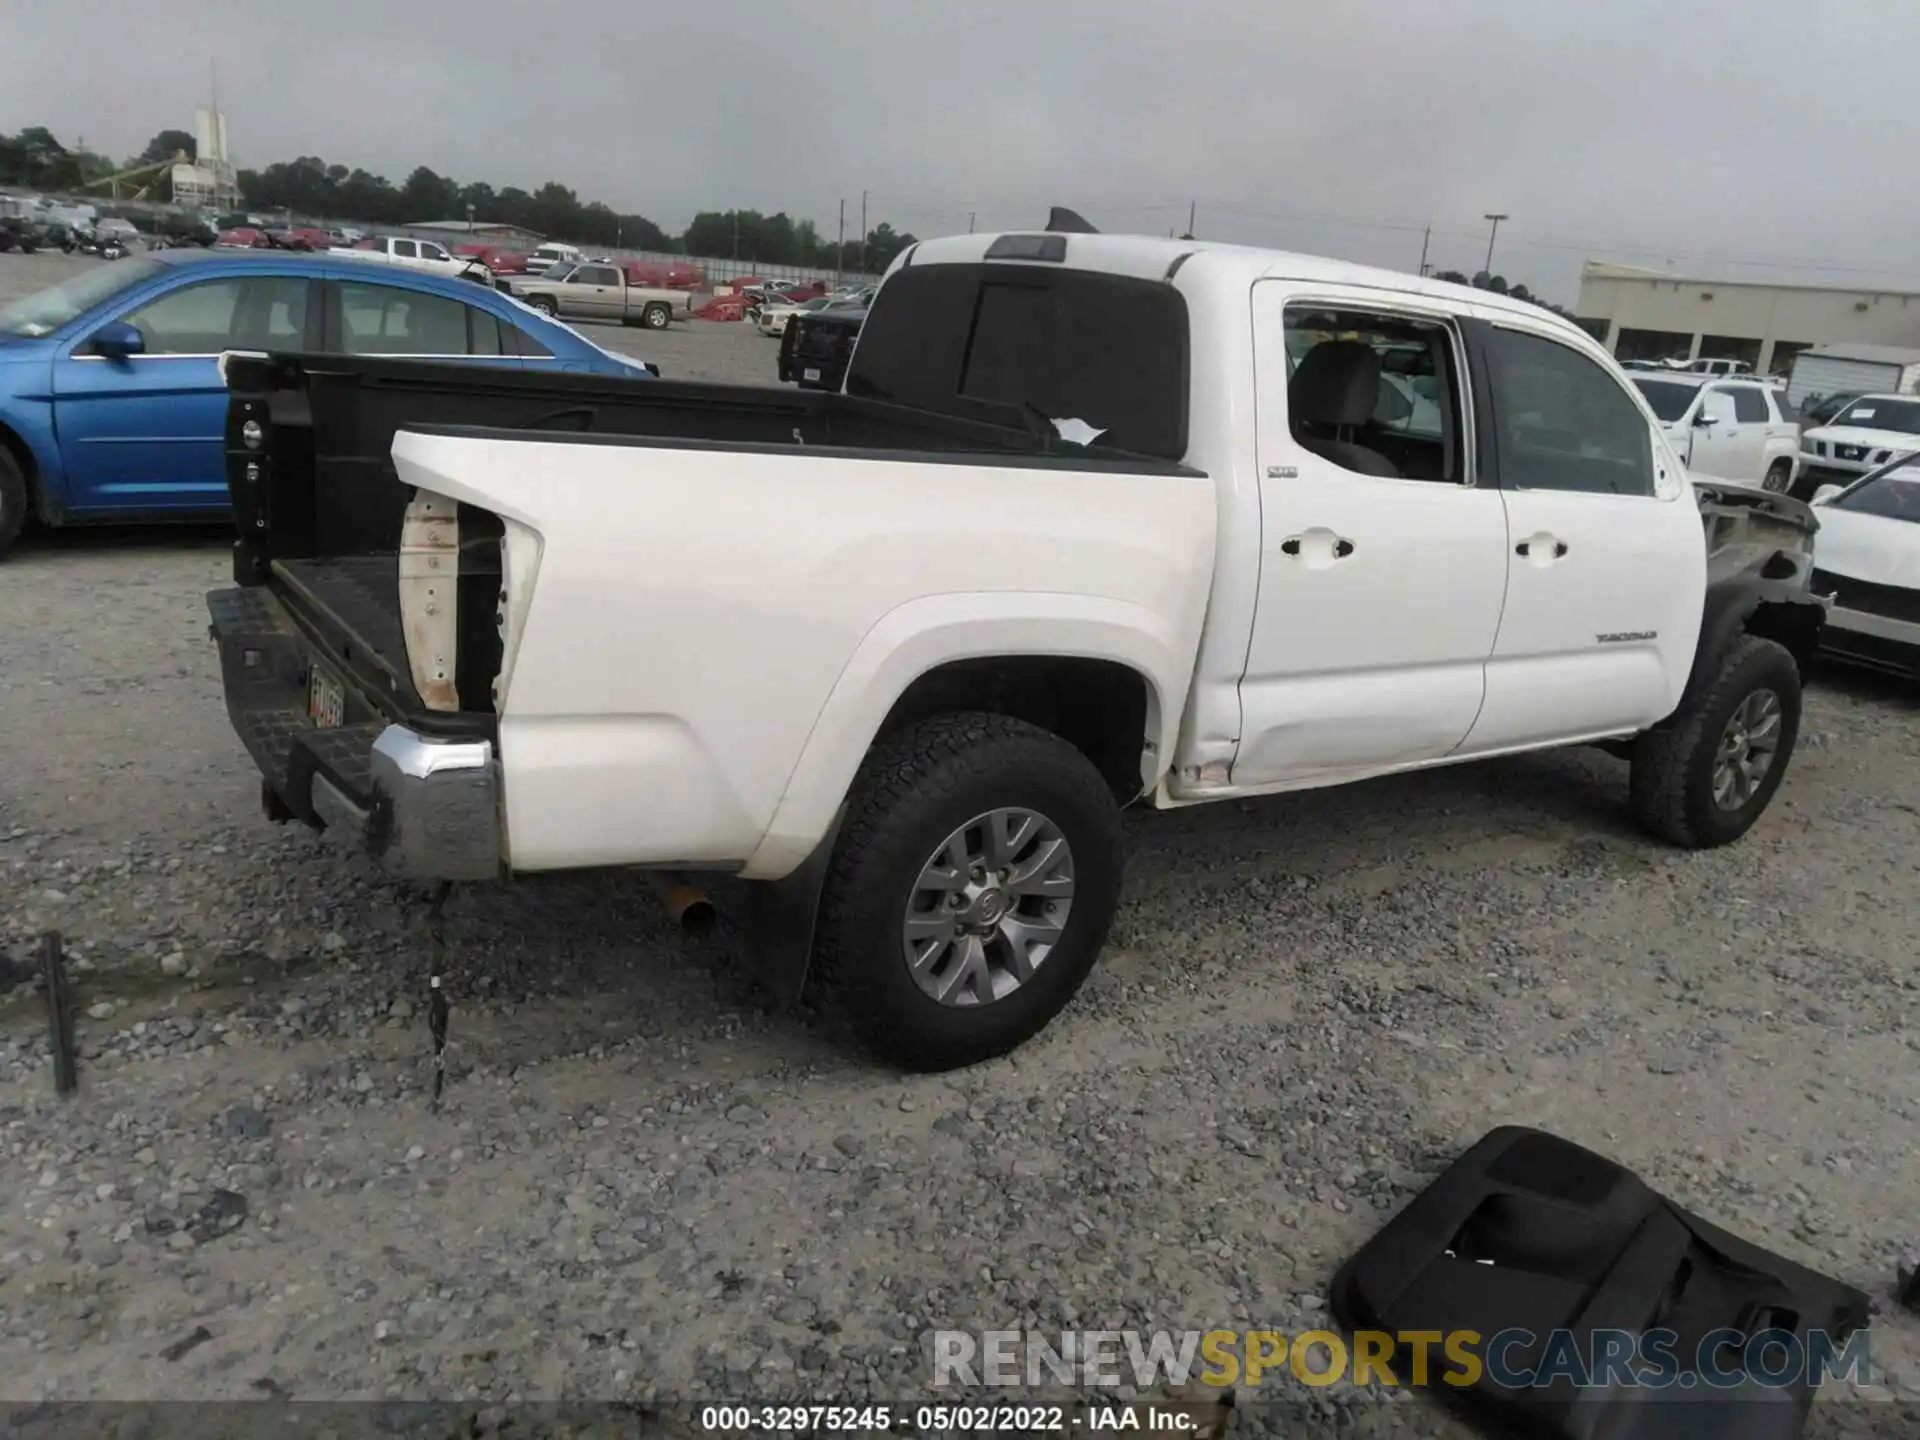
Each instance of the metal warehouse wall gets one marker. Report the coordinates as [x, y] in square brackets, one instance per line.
[1790, 317]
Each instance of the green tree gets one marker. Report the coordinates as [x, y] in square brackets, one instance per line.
[39, 160]
[164, 146]
[427, 196]
[883, 246]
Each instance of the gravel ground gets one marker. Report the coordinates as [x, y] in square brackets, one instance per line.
[643, 1183]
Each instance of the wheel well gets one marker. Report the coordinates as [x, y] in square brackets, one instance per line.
[1790, 623]
[1100, 707]
[23, 457]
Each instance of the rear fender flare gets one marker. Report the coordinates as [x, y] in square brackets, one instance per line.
[924, 634]
[1729, 606]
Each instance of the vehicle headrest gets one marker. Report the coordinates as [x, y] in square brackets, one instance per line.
[1336, 383]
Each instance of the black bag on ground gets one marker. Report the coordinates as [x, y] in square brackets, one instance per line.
[1582, 1278]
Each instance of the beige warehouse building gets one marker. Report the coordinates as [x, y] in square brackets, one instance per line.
[1642, 314]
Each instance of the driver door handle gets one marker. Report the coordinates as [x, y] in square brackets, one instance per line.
[1541, 548]
[1341, 547]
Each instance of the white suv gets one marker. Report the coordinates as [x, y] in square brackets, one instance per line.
[1872, 431]
[1731, 430]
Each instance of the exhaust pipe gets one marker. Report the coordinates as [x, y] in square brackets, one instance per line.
[688, 905]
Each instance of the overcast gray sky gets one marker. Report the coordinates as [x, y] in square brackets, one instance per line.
[1646, 130]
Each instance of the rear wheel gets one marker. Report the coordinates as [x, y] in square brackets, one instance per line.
[1778, 477]
[13, 501]
[1706, 777]
[971, 889]
[656, 317]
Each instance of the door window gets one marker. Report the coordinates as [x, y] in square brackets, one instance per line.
[430, 251]
[387, 320]
[595, 275]
[1718, 406]
[259, 313]
[1375, 393]
[1750, 407]
[1561, 422]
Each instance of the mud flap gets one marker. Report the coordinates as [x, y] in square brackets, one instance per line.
[780, 919]
[1602, 1310]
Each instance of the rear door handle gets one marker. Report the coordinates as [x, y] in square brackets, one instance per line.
[1341, 547]
[1541, 549]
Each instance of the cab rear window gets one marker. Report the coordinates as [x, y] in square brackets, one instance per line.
[1033, 345]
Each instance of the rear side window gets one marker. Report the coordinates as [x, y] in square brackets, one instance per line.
[1750, 406]
[386, 320]
[1561, 422]
[1024, 346]
[519, 342]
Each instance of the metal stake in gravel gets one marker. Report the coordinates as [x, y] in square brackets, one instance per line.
[59, 1013]
[437, 1008]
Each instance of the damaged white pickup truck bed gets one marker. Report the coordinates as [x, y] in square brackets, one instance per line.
[899, 655]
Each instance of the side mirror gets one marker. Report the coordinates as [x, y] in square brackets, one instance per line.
[1826, 493]
[116, 340]
[1704, 419]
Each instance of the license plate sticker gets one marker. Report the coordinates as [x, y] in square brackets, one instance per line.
[326, 700]
[810, 373]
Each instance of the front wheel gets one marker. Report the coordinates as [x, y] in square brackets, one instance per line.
[971, 889]
[545, 305]
[1778, 477]
[656, 317]
[13, 501]
[1708, 773]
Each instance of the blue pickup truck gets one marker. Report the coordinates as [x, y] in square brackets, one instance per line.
[112, 405]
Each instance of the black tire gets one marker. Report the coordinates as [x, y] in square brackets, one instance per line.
[14, 501]
[1779, 477]
[914, 790]
[545, 305]
[1673, 767]
[656, 317]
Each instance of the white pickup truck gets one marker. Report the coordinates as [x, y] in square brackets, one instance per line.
[1097, 520]
[418, 255]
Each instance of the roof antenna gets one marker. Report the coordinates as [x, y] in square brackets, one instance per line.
[1063, 221]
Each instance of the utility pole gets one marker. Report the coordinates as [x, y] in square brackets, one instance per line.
[840, 245]
[1192, 205]
[1425, 236]
[970, 215]
[1496, 219]
[863, 232]
[736, 234]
